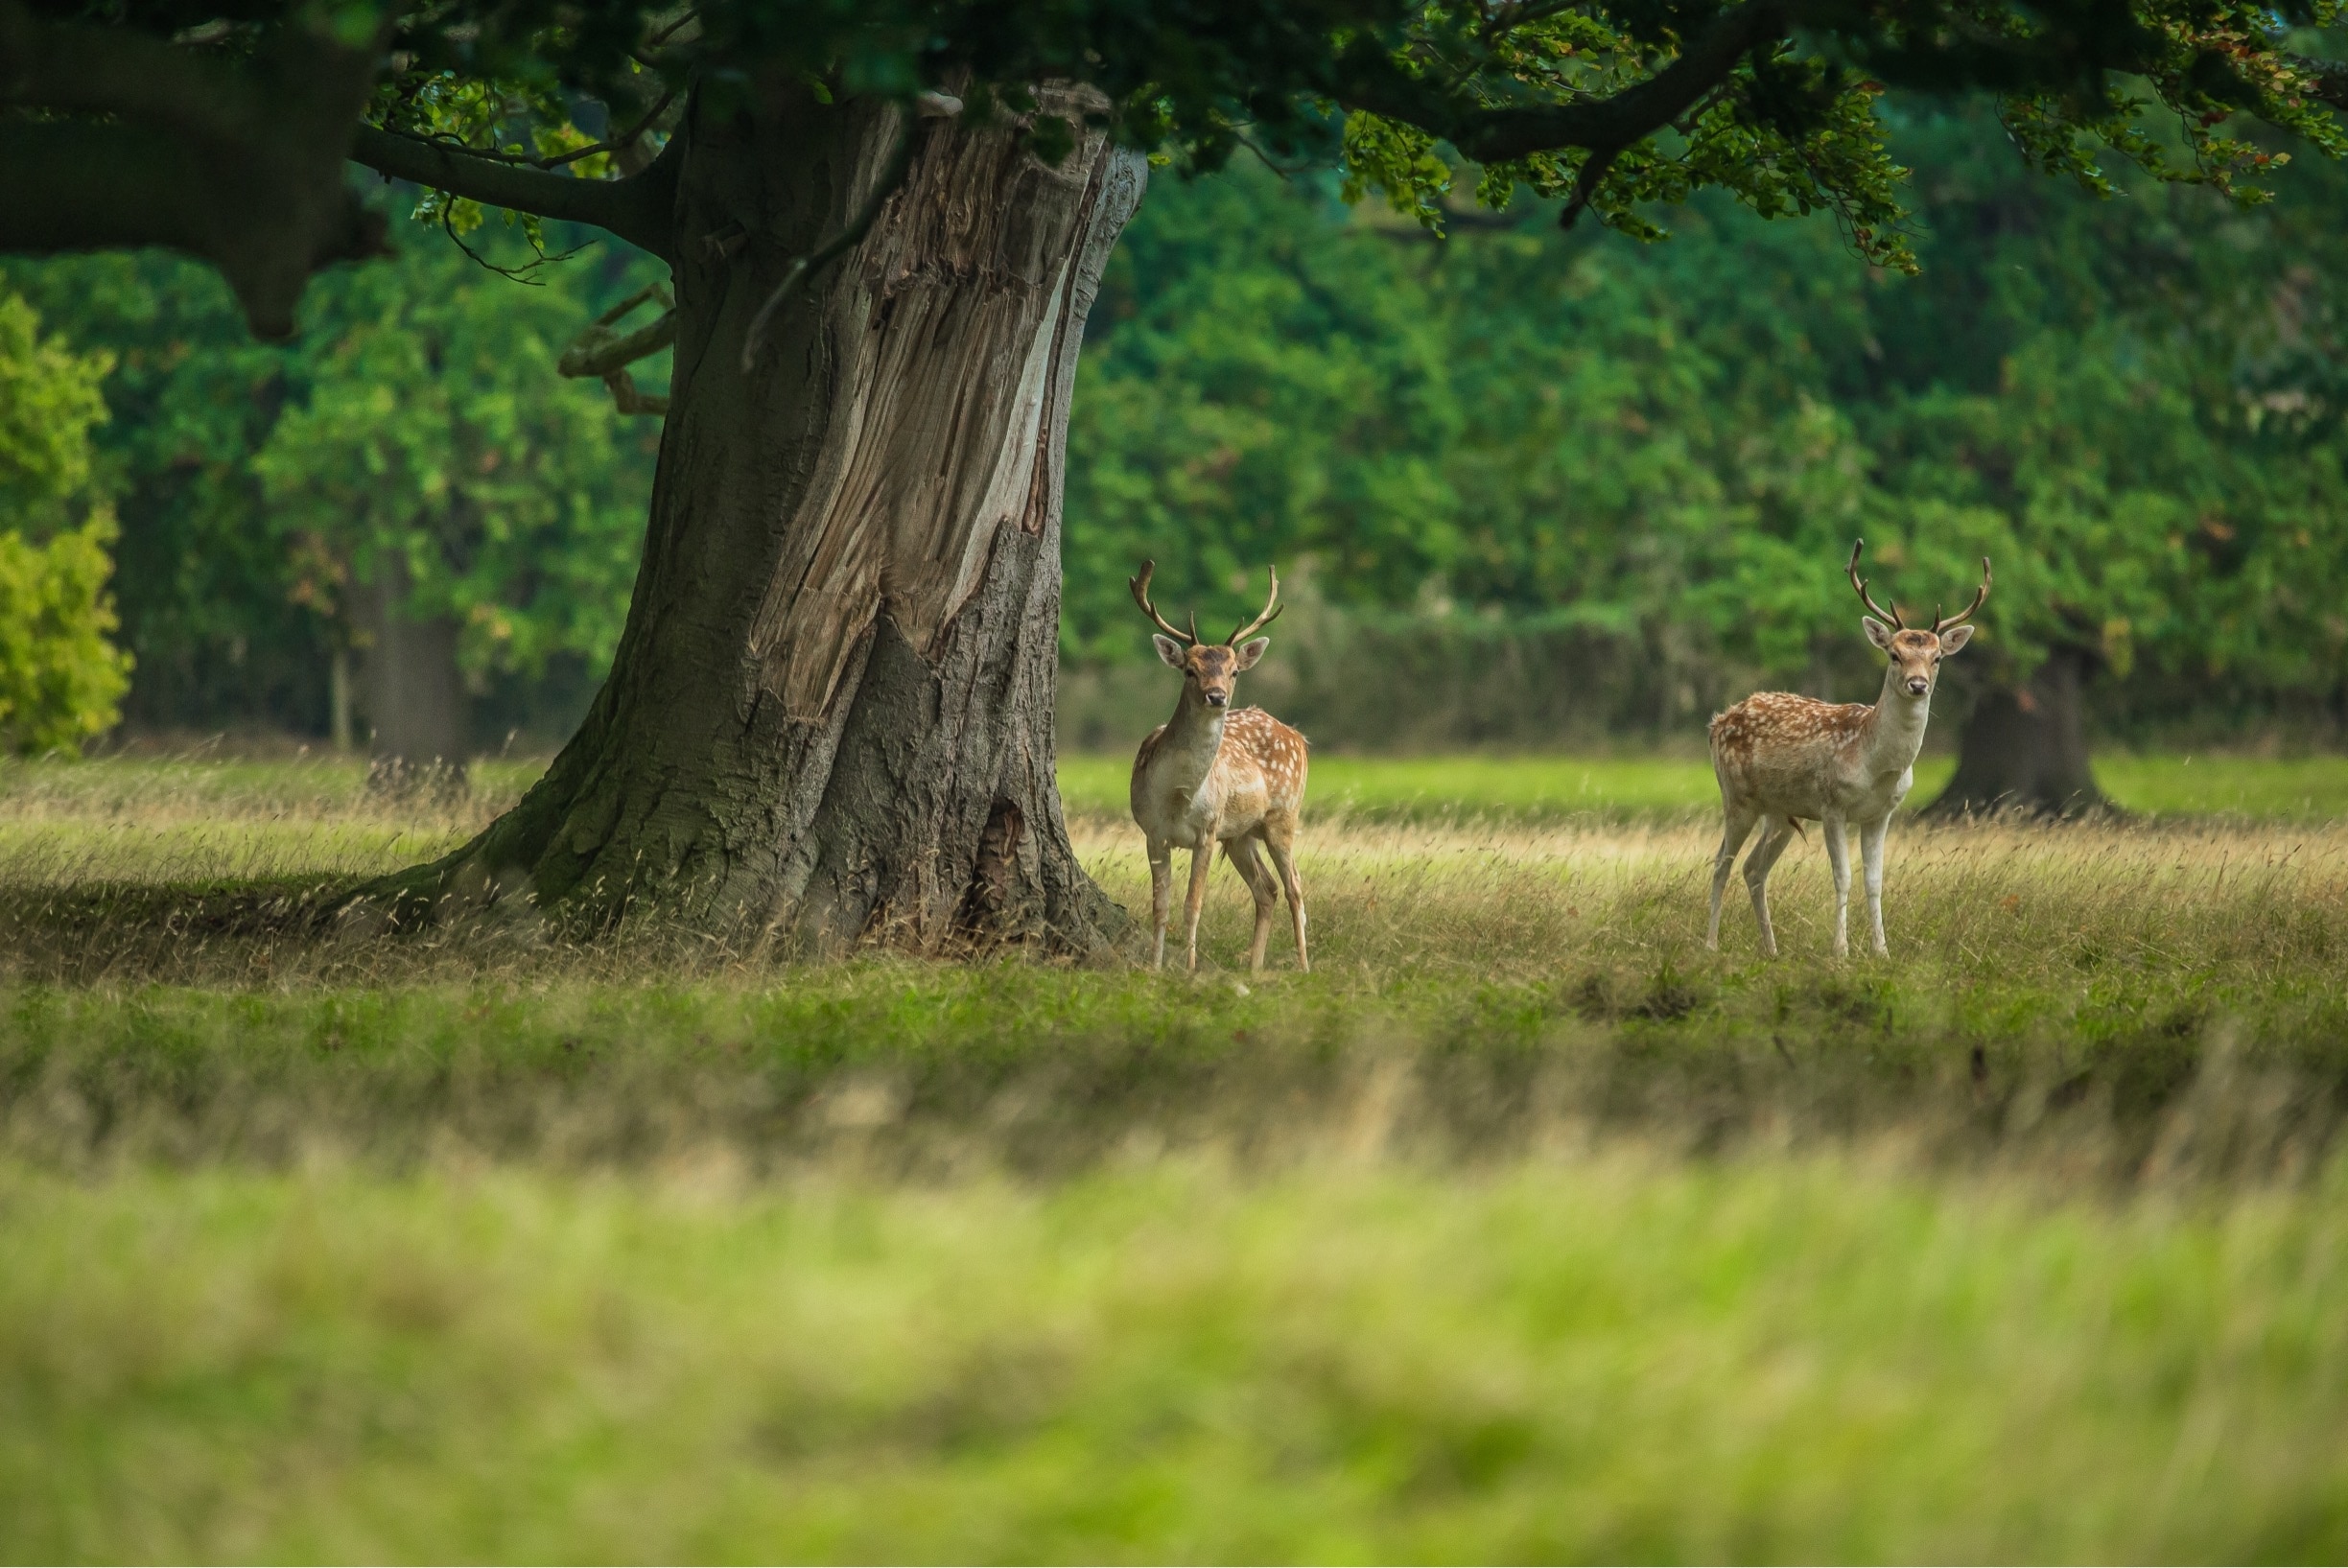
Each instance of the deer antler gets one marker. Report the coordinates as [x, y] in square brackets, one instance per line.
[1271, 612]
[1858, 584]
[1141, 592]
[1979, 599]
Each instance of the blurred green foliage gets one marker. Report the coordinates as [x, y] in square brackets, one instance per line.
[434, 427]
[49, 402]
[60, 673]
[2133, 404]
[418, 412]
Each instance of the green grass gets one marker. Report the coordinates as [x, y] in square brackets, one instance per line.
[1552, 789]
[2295, 789]
[1616, 1356]
[1521, 1227]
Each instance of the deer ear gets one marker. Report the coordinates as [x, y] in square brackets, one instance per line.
[1877, 632]
[1252, 651]
[1169, 650]
[1954, 638]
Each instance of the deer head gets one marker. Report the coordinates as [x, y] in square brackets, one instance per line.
[1916, 653]
[1210, 668]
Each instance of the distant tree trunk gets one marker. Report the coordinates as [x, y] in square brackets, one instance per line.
[338, 699]
[830, 713]
[2025, 749]
[416, 694]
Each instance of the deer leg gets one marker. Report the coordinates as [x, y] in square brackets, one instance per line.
[1279, 838]
[1161, 895]
[1202, 861]
[1261, 883]
[1739, 824]
[1837, 833]
[1870, 859]
[1775, 835]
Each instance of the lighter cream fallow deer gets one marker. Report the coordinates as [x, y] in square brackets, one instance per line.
[1215, 774]
[1782, 758]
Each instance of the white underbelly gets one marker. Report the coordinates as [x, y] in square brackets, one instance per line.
[1879, 797]
[1855, 801]
[1181, 821]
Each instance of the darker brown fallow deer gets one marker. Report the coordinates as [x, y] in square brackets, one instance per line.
[1214, 774]
[1782, 760]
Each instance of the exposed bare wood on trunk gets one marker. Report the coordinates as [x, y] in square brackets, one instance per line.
[947, 354]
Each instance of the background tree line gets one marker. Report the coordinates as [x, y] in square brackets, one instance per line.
[405, 519]
[1528, 486]
[1559, 483]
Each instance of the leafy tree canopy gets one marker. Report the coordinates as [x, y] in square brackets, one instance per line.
[221, 128]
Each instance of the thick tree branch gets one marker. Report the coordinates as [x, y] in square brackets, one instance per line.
[84, 186]
[638, 209]
[114, 138]
[65, 68]
[1602, 125]
[600, 351]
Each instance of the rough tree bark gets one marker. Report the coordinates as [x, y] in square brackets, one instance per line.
[2025, 749]
[416, 698]
[830, 713]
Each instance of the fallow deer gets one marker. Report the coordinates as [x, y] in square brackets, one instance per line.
[1215, 774]
[1783, 758]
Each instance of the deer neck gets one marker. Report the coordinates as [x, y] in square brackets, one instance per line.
[1194, 737]
[1898, 726]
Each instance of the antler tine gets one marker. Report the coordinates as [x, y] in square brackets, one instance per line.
[1271, 612]
[1979, 599]
[1141, 592]
[1858, 584]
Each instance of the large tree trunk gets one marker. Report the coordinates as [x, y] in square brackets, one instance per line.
[2025, 749]
[415, 696]
[830, 713]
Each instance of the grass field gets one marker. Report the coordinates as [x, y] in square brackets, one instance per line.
[2301, 790]
[1521, 1227]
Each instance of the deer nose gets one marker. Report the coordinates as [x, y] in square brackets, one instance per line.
[1216, 699]
[1917, 685]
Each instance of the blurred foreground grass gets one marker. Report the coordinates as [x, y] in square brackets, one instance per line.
[1606, 1356]
[1521, 1227]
